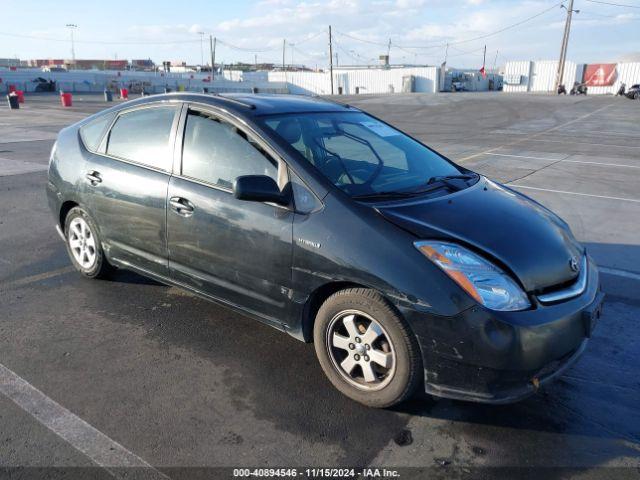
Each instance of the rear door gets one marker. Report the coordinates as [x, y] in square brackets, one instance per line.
[234, 250]
[126, 185]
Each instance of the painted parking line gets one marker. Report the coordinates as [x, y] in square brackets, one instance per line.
[601, 163]
[545, 140]
[526, 157]
[534, 135]
[619, 273]
[102, 450]
[634, 200]
[564, 160]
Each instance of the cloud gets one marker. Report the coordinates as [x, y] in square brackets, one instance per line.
[409, 23]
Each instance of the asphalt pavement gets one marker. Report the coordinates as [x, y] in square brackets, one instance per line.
[109, 378]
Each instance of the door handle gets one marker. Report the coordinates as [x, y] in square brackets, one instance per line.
[181, 206]
[93, 177]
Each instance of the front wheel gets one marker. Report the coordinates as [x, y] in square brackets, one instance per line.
[84, 246]
[366, 349]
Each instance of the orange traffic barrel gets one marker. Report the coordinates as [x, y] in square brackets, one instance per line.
[66, 99]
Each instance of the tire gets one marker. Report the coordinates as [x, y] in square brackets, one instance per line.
[84, 246]
[357, 334]
[636, 96]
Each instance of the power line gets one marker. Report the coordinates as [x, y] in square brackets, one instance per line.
[248, 49]
[509, 27]
[625, 5]
[151, 43]
[479, 37]
[470, 52]
[315, 35]
[97, 42]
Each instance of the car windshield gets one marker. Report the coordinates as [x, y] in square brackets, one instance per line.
[360, 154]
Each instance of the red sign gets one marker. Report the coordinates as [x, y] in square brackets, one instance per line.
[599, 74]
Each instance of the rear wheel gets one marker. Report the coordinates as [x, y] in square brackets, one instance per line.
[83, 244]
[365, 348]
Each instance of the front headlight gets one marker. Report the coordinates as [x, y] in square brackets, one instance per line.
[485, 282]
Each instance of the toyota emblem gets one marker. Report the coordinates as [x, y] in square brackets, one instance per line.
[573, 264]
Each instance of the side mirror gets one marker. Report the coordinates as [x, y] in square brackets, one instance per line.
[258, 188]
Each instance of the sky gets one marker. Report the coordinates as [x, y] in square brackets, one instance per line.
[256, 30]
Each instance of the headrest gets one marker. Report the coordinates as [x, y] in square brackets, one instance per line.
[290, 130]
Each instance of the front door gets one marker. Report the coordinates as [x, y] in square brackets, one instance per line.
[127, 187]
[236, 251]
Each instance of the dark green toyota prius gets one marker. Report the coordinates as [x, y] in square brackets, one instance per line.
[406, 270]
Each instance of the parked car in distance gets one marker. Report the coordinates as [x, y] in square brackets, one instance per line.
[406, 270]
[634, 92]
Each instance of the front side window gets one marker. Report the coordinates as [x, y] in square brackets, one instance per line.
[142, 136]
[358, 153]
[217, 152]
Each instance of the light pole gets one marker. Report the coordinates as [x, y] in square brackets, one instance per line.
[201, 49]
[72, 27]
[292, 45]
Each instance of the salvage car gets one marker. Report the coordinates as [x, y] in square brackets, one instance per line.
[406, 270]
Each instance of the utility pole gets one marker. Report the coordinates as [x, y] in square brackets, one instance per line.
[284, 52]
[388, 54]
[292, 45]
[331, 59]
[201, 49]
[443, 69]
[72, 27]
[484, 57]
[565, 44]
[212, 50]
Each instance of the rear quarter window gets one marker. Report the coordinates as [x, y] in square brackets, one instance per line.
[92, 133]
[142, 136]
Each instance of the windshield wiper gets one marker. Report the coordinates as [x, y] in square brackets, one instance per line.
[385, 195]
[444, 178]
[434, 183]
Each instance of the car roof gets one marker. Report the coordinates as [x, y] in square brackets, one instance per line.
[255, 104]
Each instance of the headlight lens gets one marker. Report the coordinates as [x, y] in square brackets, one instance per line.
[485, 282]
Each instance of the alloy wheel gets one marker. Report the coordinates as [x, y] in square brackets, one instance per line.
[361, 350]
[82, 243]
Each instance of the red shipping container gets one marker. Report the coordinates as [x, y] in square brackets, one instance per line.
[66, 99]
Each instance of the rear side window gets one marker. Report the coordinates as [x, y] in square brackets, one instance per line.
[142, 136]
[217, 152]
[92, 132]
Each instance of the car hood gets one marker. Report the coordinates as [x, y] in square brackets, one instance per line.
[517, 232]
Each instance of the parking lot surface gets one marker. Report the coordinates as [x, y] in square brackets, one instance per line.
[127, 372]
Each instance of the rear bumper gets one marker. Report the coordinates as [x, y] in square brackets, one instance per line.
[502, 357]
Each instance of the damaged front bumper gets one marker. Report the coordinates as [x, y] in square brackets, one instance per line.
[502, 357]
